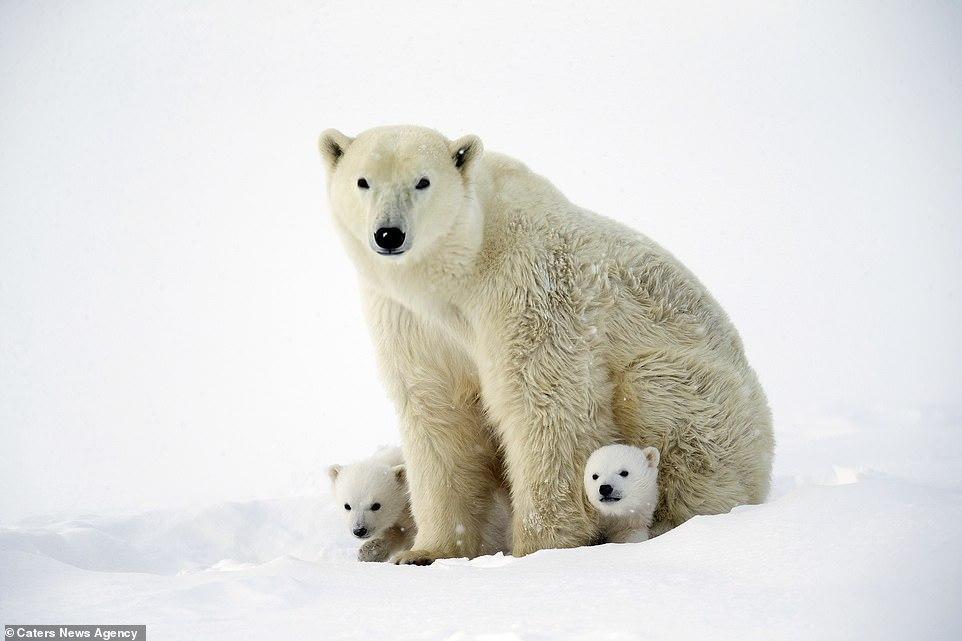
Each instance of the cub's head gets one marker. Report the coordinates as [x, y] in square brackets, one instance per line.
[620, 479]
[398, 191]
[371, 497]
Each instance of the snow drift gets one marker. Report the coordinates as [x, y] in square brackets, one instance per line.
[861, 539]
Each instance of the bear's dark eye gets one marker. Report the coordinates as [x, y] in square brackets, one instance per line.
[362, 183]
[594, 477]
[347, 506]
[376, 507]
[422, 184]
[623, 473]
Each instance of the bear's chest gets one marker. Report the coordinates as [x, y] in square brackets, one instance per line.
[449, 318]
[454, 325]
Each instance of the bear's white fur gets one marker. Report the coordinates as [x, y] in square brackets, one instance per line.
[621, 482]
[518, 332]
[372, 495]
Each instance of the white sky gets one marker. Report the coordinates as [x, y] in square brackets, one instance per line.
[178, 323]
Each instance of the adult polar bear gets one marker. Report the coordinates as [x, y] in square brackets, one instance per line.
[517, 333]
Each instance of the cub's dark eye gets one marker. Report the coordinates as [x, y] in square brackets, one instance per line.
[347, 507]
[376, 507]
[362, 183]
[424, 183]
[594, 477]
[623, 473]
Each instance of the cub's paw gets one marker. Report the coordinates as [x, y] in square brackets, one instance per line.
[417, 557]
[375, 550]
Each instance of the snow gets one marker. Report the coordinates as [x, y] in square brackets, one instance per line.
[862, 538]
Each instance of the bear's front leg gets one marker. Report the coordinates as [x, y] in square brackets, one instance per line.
[449, 451]
[550, 396]
[448, 455]
[545, 463]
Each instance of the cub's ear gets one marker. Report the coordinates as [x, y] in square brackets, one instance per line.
[400, 474]
[652, 456]
[333, 471]
[465, 151]
[333, 144]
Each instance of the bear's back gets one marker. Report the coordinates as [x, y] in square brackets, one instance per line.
[530, 224]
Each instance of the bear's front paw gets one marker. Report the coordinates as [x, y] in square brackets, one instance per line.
[375, 550]
[417, 557]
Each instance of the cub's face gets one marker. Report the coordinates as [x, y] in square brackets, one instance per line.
[371, 497]
[620, 479]
[397, 191]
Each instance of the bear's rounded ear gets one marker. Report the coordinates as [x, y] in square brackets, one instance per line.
[399, 474]
[465, 151]
[652, 456]
[333, 471]
[333, 144]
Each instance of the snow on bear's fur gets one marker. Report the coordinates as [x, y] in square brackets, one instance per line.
[517, 333]
[373, 498]
[621, 482]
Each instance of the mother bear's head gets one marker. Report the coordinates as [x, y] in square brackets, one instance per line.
[399, 194]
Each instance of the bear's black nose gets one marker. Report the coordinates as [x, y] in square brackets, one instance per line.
[605, 490]
[389, 238]
[360, 531]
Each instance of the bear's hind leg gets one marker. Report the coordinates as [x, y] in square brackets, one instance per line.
[712, 424]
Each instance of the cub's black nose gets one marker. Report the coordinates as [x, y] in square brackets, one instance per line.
[605, 490]
[360, 531]
[389, 238]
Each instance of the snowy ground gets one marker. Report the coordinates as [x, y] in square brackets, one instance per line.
[861, 539]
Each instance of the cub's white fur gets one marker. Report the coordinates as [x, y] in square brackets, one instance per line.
[518, 332]
[372, 495]
[388, 530]
[621, 482]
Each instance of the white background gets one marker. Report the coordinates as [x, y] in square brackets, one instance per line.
[178, 323]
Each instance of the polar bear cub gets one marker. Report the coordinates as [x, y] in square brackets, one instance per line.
[373, 497]
[372, 494]
[621, 482]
